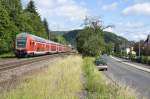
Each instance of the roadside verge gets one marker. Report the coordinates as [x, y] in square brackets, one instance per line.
[99, 87]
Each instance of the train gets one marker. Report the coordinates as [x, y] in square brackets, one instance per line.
[31, 45]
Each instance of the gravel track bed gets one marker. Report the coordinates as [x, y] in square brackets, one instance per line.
[13, 60]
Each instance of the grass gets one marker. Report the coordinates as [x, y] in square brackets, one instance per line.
[97, 86]
[62, 80]
[7, 55]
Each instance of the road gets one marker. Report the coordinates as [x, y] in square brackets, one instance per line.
[130, 76]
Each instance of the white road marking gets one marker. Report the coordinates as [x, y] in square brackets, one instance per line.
[136, 66]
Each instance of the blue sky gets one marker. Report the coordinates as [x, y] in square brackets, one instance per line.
[130, 17]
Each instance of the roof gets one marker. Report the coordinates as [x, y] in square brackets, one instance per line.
[36, 38]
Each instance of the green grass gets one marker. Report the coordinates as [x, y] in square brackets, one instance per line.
[7, 55]
[62, 80]
[99, 88]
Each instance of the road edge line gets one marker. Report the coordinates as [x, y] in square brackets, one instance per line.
[136, 66]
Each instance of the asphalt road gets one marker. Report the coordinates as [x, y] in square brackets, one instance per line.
[130, 76]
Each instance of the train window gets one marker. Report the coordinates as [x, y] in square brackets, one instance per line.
[21, 43]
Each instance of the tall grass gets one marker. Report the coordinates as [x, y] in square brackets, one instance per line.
[98, 88]
[62, 80]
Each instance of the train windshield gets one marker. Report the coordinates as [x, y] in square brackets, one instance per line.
[21, 42]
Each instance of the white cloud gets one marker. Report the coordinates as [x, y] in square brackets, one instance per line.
[138, 9]
[110, 30]
[132, 30]
[73, 12]
[63, 8]
[110, 6]
[136, 36]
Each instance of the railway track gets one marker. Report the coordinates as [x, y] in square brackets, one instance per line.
[19, 63]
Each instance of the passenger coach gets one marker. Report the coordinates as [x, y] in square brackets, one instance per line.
[31, 45]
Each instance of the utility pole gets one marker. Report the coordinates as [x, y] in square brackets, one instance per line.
[139, 49]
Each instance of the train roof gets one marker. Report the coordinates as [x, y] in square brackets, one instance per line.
[36, 38]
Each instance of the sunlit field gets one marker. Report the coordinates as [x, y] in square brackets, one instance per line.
[69, 78]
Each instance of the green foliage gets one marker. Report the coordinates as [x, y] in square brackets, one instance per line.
[14, 19]
[46, 27]
[109, 48]
[90, 42]
[7, 30]
[144, 59]
[71, 36]
[113, 38]
[117, 48]
[132, 57]
[7, 55]
[31, 7]
[58, 38]
[112, 41]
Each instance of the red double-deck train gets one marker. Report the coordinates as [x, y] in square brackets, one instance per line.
[31, 45]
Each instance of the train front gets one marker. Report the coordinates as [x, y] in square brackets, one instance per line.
[21, 40]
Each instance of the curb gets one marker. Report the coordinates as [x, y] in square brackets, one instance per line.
[136, 66]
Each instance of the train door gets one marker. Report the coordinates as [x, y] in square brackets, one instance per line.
[32, 44]
[50, 47]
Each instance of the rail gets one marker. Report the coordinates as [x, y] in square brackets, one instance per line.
[19, 63]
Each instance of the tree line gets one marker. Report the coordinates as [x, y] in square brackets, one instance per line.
[15, 19]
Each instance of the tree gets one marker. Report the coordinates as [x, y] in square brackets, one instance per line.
[90, 42]
[34, 21]
[95, 22]
[7, 30]
[46, 27]
[136, 48]
[31, 7]
[109, 47]
[117, 48]
[13, 8]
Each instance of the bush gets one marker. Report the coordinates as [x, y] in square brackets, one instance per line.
[148, 60]
[132, 57]
[144, 59]
[90, 42]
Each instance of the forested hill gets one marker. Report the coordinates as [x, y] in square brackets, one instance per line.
[71, 36]
[112, 37]
[108, 37]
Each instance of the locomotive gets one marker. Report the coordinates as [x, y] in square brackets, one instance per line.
[31, 45]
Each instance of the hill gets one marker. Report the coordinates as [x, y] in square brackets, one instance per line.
[108, 37]
[112, 37]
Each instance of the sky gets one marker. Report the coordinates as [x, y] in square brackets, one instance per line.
[131, 18]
